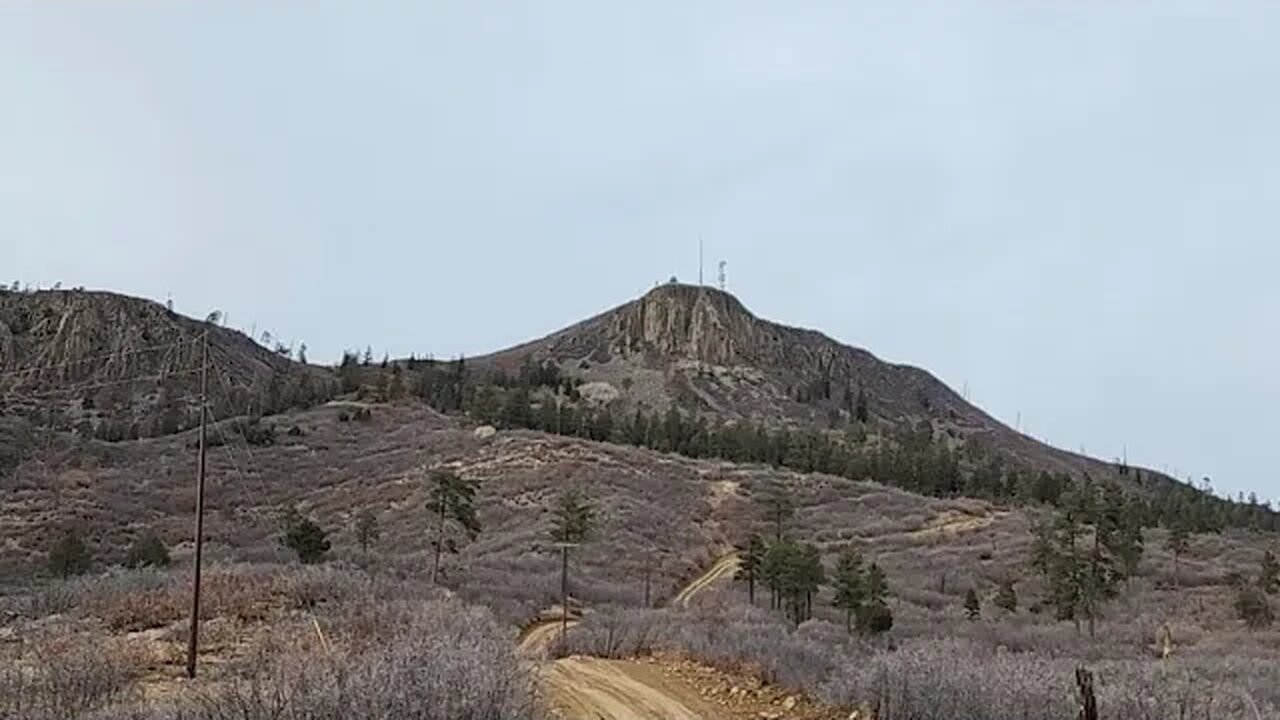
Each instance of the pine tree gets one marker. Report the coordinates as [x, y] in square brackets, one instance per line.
[1269, 574]
[147, 550]
[1007, 597]
[972, 605]
[875, 616]
[1178, 543]
[451, 502]
[69, 556]
[572, 523]
[367, 531]
[573, 518]
[1083, 570]
[305, 538]
[850, 592]
[794, 573]
[778, 508]
[750, 560]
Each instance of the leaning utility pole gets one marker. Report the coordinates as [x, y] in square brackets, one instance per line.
[193, 641]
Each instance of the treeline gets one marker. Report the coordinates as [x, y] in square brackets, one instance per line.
[1092, 546]
[540, 397]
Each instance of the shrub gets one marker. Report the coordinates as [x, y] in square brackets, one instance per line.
[875, 618]
[69, 556]
[1253, 607]
[256, 432]
[307, 539]
[147, 551]
[1007, 597]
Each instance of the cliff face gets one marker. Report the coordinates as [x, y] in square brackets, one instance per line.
[692, 323]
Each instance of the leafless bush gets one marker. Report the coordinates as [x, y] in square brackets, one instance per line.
[954, 680]
[616, 633]
[437, 660]
[58, 681]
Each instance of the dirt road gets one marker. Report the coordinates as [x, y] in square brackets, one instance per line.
[722, 571]
[621, 690]
[539, 636]
[595, 689]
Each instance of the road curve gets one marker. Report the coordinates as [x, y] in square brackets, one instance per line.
[723, 570]
[585, 688]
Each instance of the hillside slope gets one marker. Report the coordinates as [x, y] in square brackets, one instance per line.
[118, 367]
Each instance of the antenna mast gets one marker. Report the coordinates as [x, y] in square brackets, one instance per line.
[722, 280]
[699, 261]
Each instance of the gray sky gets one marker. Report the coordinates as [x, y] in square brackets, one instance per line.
[1071, 207]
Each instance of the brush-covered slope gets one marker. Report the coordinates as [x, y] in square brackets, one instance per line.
[115, 367]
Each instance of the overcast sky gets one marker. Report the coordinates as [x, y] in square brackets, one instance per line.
[1069, 207]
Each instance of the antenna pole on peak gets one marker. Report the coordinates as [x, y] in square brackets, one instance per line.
[699, 261]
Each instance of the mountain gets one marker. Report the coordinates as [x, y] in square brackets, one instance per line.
[700, 350]
[118, 367]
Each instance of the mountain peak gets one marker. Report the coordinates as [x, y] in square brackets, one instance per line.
[687, 321]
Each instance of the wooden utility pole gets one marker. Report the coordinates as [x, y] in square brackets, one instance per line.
[648, 566]
[564, 588]
[193, 640]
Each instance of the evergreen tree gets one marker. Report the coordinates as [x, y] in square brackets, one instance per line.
[307, 539]
[751, 558]
[348, 373]
[794, 573]
[1269, 574]
[972, 605]
[367, 531]
[572, 523]
[1007, 597]
[1178, 543]
[573, 518]
[147, 550]
[1083, 569]
[850, 592]
[516, 412]
[451, 502]
[778, 507]
[69, 556]
[484, 405]
[875, 616]
[860, 412]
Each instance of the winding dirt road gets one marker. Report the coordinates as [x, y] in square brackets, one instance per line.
[723, 570]
[588, 688]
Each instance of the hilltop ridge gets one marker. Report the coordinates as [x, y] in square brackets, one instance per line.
[116, 367]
